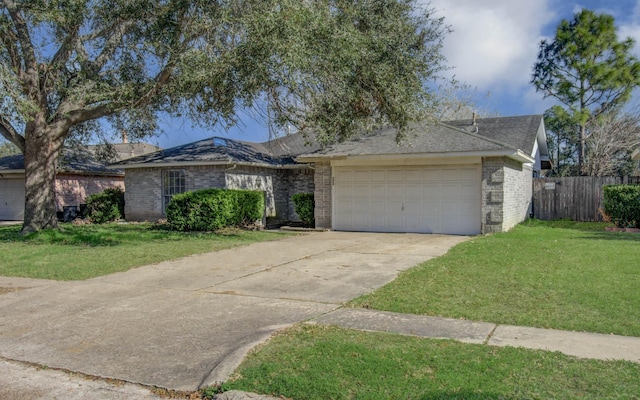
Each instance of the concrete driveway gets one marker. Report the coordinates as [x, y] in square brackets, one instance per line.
[188, 323]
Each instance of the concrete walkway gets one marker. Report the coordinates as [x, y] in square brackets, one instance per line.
[188, 323]
[579, 344]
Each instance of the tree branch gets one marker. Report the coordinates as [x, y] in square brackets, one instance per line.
[24, 38]
[111, 44]
[9, 39]
[64, 52]
[9, 133]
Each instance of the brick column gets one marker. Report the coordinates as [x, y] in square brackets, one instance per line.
[492, 194]
[322, 194]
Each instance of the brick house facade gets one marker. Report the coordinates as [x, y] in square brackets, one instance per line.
[458, 177]
[144, 199]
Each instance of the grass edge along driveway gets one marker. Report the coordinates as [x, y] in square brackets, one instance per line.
[538, 274]
[557, 275]
[88, 251]
[326, 362]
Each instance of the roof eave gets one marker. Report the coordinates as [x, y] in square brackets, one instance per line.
[517, 155]
[180, 164]
[113, 172]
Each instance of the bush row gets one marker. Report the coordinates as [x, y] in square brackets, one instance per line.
[212, 209]
[622, 205]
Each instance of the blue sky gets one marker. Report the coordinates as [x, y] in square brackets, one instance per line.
[492, 48]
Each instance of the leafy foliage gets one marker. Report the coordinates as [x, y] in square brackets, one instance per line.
[590, 72]
[213, 209]
[329, 68]
[304, 205]
[622, 205]
[106, 206]
[7, 149]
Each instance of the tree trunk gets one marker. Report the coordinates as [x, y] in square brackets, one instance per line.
[40, 161]
[582, 152]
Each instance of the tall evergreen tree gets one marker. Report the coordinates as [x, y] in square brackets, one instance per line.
[587, 69]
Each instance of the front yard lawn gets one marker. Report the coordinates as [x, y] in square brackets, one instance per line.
[321, 362]
[82, 252]
[561, 275]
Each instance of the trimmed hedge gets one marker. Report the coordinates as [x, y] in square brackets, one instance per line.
[106, 206]
[213, 209]
[304, 205]
[622, 205]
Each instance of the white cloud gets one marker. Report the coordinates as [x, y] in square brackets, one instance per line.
[494, 42]
[632, 29]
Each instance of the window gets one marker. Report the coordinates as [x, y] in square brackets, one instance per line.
[173, 183]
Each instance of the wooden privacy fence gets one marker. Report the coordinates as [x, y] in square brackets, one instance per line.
[577, 198]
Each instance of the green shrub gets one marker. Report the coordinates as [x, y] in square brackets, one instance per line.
[106, 206]
[622, 205]
[213, 209]
[304, 205]
[250, 206]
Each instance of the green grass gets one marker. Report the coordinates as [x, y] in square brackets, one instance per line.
[562, 275]
[321, 362]
[82, 252]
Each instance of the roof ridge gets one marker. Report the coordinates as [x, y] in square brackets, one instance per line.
[493, 118]
[476, 135]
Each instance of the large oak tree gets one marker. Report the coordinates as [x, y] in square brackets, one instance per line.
[590, 71]
[330, 67]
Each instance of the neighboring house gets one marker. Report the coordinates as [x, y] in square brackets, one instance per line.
[459, 177]
[79, 175]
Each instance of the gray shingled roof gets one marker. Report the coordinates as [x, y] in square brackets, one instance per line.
[277, 152]
[76, 161]
[13, 162]
[488, 135]
[519, 132]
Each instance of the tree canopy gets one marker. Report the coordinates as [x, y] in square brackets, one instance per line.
[589, 71]
[331, 68]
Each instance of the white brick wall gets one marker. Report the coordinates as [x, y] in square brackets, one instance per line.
[506, 193]
[518, 189]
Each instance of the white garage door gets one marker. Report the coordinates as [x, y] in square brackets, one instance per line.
[443, 199]
[11, 199]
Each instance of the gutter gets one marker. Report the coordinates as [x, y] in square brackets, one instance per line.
[179, 164]
[114, 172]
[514, 154]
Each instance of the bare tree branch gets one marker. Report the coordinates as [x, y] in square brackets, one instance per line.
[611, 139]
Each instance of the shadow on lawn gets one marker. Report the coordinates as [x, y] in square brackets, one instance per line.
[113, 234]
